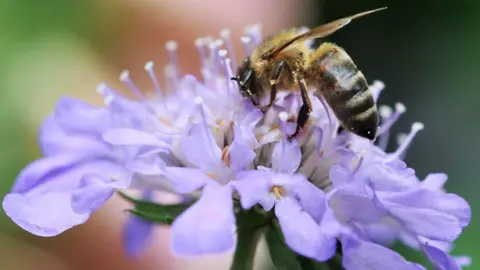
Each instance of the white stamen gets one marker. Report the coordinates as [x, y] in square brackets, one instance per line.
[125, 78]
[225, 35]
[401, 138]
[401, 150]
[385, 111]
[102, 88]
[151, 73]
[388, 123]
[200, 45]
[399, 107]
[170, 76]
[215, 59]
[246, 42]
[222, 53]
[172, 46]
[377, 88]
[255, 32]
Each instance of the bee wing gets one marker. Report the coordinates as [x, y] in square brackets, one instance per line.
[322, 31]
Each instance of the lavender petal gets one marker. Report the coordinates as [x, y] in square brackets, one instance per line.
[207, 226]
[302, 234]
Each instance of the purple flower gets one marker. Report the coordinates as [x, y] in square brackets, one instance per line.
[201, 140]
[360, 255]
[299, 205]
[40, 200]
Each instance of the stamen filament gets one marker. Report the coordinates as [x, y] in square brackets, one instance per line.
[125, 78]
[416, 127]
[246, 41]
[153, 78]
[225, 35]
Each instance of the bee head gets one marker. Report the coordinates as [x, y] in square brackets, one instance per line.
[246, 80]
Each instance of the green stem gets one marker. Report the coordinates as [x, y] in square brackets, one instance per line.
[244, 255]
[250, 225]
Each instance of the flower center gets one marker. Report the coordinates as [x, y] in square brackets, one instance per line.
[279, 192]
[226, 156]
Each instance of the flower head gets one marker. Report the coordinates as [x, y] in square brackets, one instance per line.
[204, 142]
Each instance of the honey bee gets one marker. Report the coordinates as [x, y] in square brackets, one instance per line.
[285, 62]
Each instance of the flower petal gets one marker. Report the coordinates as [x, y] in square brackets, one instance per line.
[241, 155]
[440, 259]
[41, 198]
[434, 181]
[186, 180]
[340, 176]
[126, 136]
[53, 140]
[207, 227]
[351, 206]
[450, 204]
[302, 233]
[200, 148]
[310, 198]
[253, 187]
[388, 178]
[42, 214]
[286, 157]
[427, 222]
[76, 116]
[93, 192]
[137, 231]
[360, 255]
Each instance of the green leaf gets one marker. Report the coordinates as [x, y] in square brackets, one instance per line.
[153, 212]
[249, 229]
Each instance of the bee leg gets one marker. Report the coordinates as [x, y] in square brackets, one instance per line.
[277, 70]
[305, 110]
[254, 102]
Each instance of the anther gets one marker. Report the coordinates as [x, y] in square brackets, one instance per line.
[278, 192]
[246, 42]
[171, 46]
[151, 73]
[390, 120]
[226, 156]
[385, 111]
[377, 88]
[225, 35]
[401, 150]
[125, 78]
[200, 45]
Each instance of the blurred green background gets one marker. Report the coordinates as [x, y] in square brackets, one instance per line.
[426, 52]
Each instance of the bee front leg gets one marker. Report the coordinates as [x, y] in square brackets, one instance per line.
[305, 110]
[273, 84]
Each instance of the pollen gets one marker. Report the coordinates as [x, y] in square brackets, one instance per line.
[164, 120]
[279, 192]
[226, 156]
[212, 175]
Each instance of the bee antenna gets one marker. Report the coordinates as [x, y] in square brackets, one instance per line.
[234, 79]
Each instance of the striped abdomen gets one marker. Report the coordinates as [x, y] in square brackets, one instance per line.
[345, 89]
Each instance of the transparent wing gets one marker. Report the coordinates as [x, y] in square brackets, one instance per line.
[321, 31]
